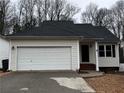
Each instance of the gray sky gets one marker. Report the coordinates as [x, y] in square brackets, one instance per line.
[83, 3]
[101, 3]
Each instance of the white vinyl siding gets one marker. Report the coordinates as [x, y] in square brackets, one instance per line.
[4, 50]
[73, 44]
[121, 67]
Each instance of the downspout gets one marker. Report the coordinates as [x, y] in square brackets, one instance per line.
[97, 59]
[9, 54]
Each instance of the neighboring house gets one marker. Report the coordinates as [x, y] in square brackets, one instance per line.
[4, 49]
[63, 45]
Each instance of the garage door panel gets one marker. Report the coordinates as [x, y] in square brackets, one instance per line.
[43, 63]
[43, 67]
[44, 58]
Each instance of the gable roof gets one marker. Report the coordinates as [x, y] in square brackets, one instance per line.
[68, 28]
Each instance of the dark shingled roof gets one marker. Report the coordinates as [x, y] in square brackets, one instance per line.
[68, 28]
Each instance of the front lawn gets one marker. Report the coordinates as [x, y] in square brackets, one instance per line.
[109, 83]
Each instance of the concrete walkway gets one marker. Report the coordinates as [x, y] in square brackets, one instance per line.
[44, 82]
[90, 73]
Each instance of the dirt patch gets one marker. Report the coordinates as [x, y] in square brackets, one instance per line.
[109, 83]
[3, 73]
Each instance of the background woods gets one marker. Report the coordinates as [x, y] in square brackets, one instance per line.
[112, 18]
[30, 13]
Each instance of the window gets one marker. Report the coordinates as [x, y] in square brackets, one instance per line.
[101, 51]
[107, 51]
[113, 50]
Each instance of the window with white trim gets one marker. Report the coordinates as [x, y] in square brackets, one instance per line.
[107, 51]
[101, 51]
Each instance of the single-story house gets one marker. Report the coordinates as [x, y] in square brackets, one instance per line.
[63, 45]
[4, 49]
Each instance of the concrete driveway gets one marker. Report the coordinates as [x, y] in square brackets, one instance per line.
[43, 82]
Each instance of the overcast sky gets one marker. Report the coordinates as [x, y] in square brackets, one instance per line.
[83, 3]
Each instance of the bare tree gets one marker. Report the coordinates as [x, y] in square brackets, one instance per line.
[62, 10]
[46, 8]
[39, 11]
[20, 9]
[59, 6]
[5, 14]
[113, 18]
[102, 17]
[26, 12]
[95, 16]
[16, 20]
[69, 12]
[117, 18]
[52, 11]
[55, 10]
[43, 7]
[89, 15]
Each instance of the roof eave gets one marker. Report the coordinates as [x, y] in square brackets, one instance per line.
[43, 37]
[81, 38]
[52, 37]
[2, 36]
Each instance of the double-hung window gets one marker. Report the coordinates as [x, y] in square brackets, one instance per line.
[106, 50]
[101, 51]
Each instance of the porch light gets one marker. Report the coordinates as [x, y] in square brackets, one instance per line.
[13, 47]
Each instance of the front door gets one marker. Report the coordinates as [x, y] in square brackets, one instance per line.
[85, 53]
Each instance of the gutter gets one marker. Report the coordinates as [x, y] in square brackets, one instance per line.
[2, 36]
[43, 37]
[80, 38]
[52, 37]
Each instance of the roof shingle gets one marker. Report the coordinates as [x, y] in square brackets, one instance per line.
[68, 28]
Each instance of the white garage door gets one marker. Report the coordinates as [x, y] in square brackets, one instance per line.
[44, 58]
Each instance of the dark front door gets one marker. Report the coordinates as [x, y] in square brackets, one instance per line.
[85, 53]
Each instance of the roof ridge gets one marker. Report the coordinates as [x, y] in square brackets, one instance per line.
[61, 21]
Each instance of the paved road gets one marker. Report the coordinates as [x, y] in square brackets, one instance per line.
[36, 82]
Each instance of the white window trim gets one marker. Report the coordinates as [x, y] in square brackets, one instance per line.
[105, 50]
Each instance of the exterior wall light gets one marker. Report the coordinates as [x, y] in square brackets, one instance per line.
[13, 47]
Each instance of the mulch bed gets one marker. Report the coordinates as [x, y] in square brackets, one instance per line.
[109, 83]
[3, 73]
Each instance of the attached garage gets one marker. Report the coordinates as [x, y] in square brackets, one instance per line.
[44, 58]
[44, 55]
